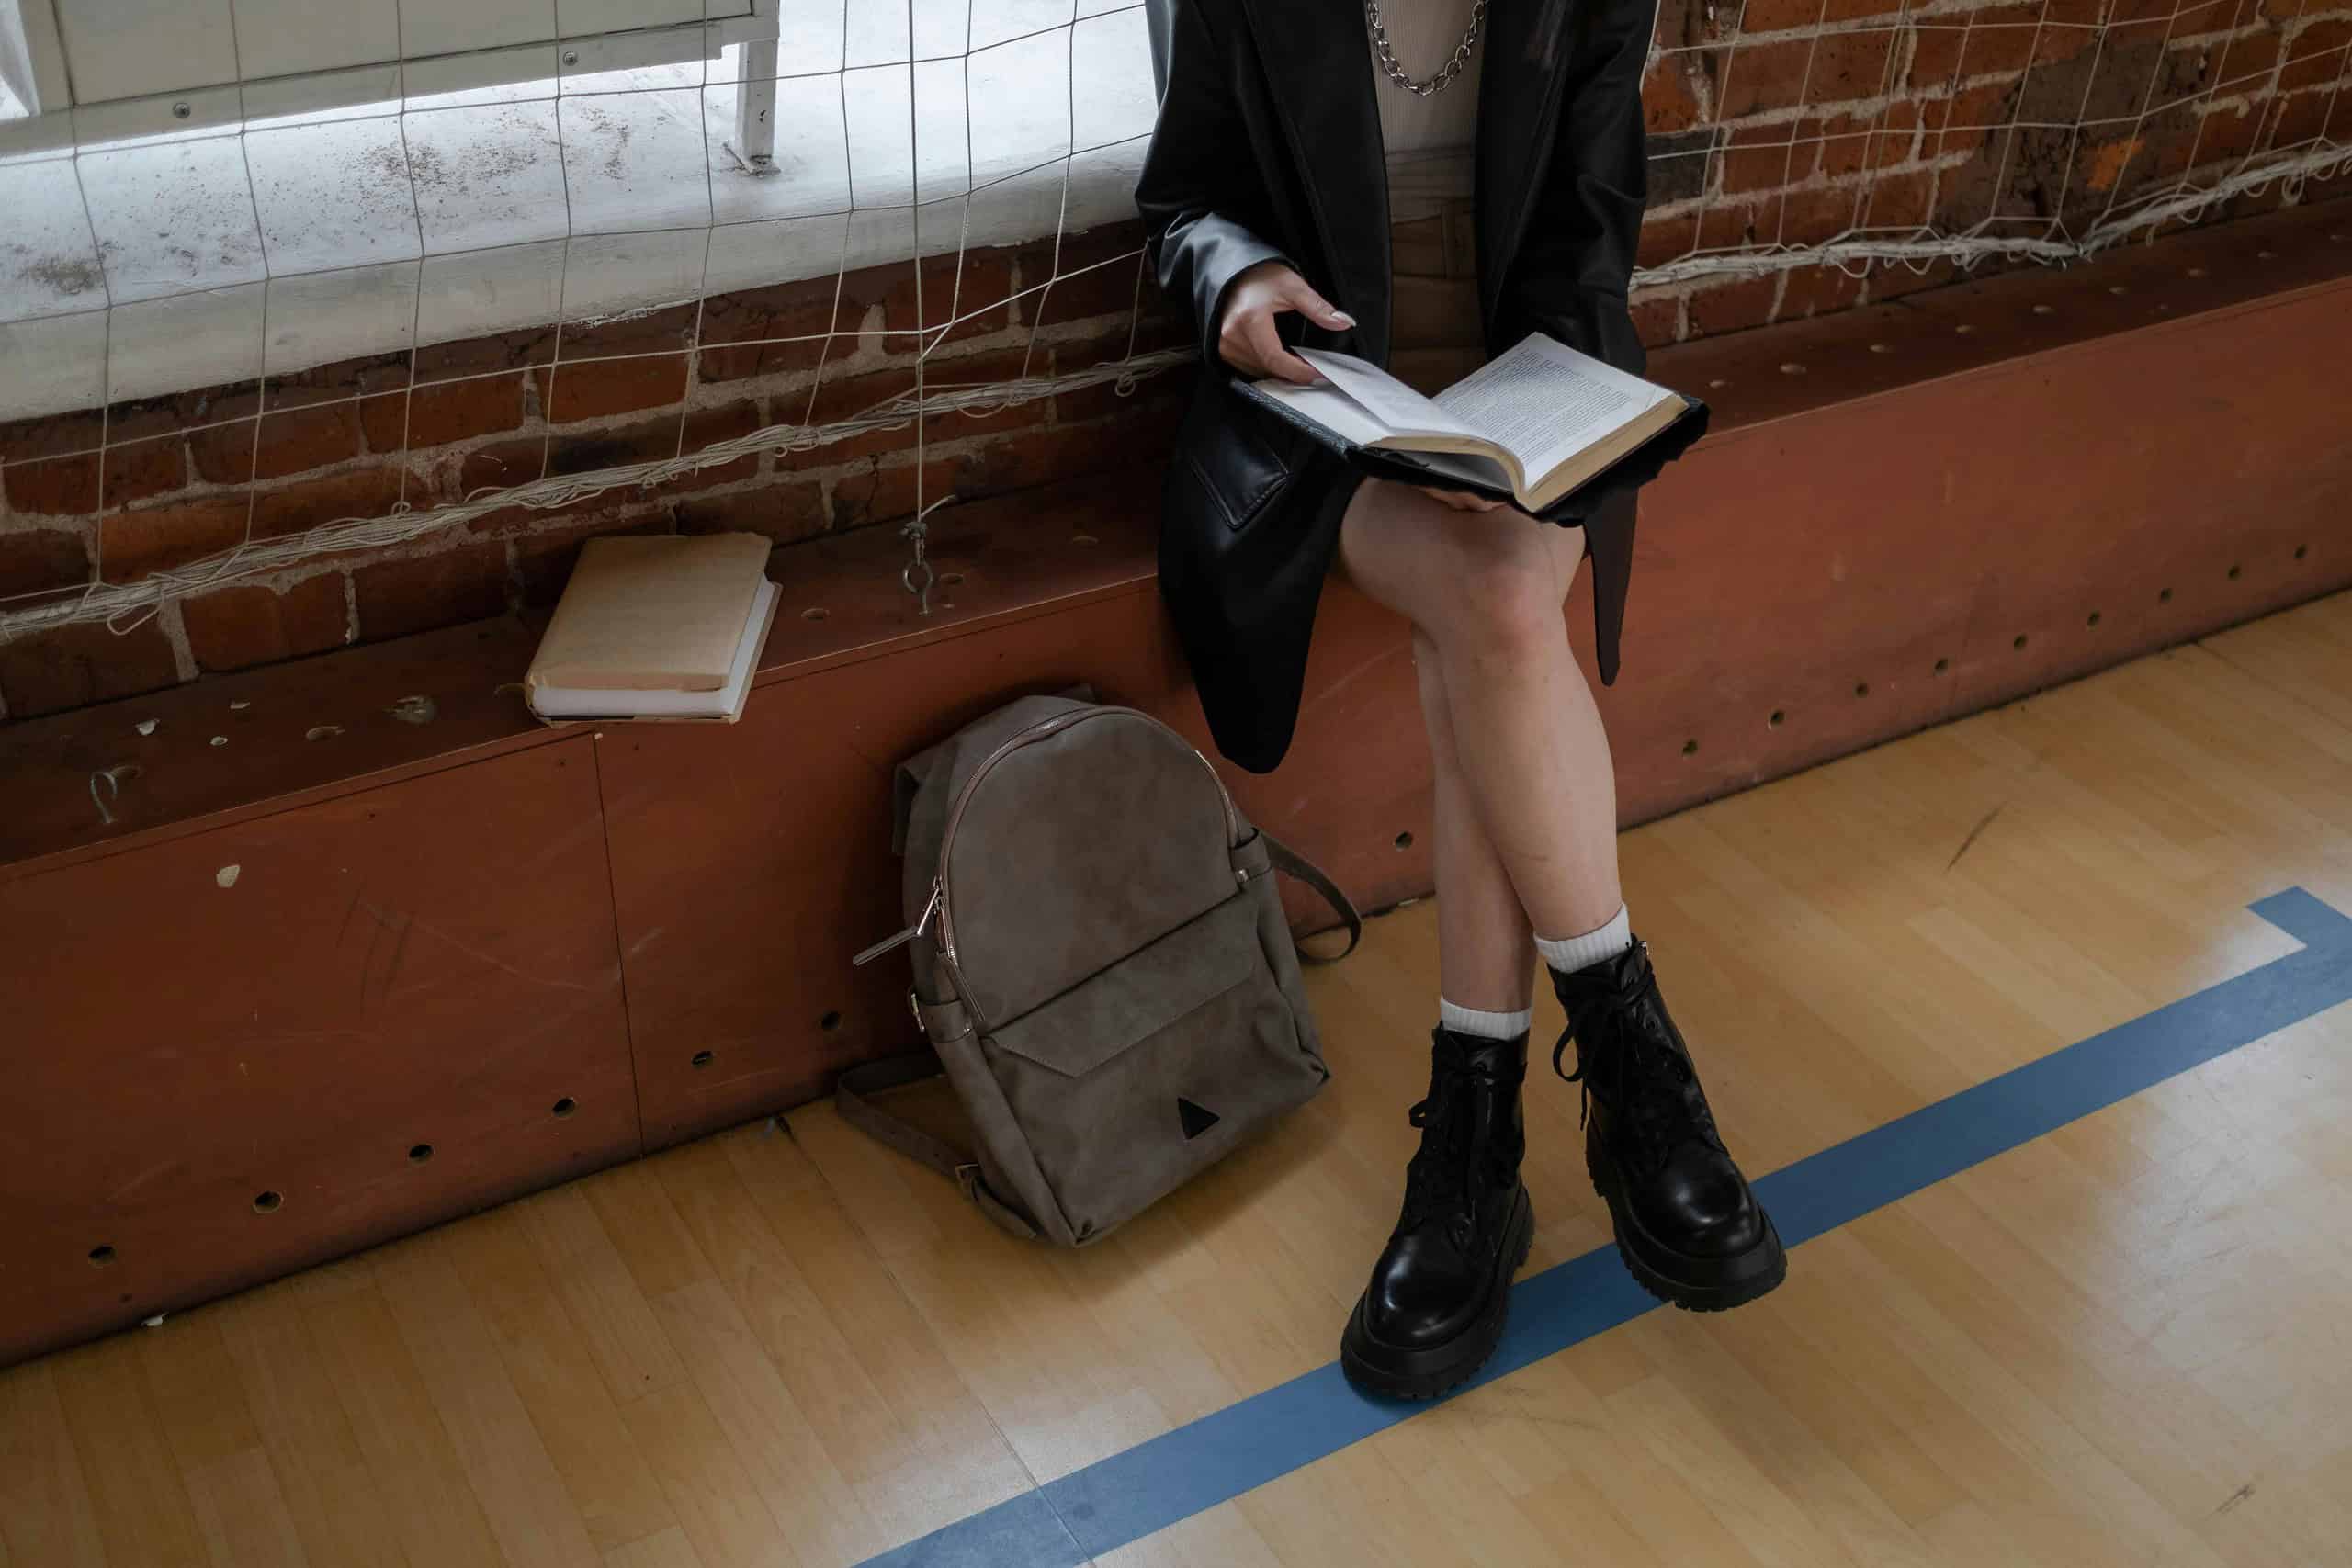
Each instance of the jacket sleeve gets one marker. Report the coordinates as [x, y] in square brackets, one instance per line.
[1575, 261]
[1577, 258]
[1204, 205]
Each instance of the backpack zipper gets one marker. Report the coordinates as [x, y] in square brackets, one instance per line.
[939, 906]
[890, 942]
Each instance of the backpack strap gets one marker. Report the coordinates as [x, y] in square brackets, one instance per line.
[892, 1072]
[1288, 860]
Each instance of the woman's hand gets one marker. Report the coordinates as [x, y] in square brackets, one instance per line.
[1246, 338]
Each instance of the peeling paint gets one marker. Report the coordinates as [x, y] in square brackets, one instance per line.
[415, 710]
[227, 875]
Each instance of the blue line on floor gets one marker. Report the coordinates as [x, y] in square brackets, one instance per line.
[1154, 1484]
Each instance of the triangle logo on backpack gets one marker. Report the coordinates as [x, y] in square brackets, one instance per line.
[1196, 1119]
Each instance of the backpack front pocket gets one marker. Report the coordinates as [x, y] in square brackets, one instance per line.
[1131, 1080]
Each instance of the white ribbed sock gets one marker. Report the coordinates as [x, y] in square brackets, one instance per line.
[1484, 1025]
[1570, 953]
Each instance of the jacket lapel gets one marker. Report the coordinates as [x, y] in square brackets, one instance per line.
[1318, 68]
[1519, 117]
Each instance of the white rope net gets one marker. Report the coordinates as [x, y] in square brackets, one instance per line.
[463, 201]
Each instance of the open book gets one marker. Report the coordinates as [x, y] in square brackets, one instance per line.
[1533, 425]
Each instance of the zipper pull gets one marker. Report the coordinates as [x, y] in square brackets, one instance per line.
[888, 943]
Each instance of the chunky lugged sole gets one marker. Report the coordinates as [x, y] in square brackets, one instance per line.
[1694, 1284]
[1439, 1368]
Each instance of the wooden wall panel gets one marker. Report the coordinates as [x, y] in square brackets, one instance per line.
[229, 747]
[422, 943]
[1817, 566]
[751, 861]
[290, 1005]
[1806, 583]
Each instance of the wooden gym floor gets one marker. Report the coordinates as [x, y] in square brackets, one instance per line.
[2121, 1342]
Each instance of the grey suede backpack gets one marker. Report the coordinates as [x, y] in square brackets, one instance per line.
[1102, 966]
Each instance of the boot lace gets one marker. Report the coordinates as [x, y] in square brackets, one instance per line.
[1624, 1042]
[1455, 1141]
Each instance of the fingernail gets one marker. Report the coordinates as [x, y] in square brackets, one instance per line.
[1343, 318]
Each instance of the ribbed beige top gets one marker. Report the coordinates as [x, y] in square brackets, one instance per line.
[1428, 139]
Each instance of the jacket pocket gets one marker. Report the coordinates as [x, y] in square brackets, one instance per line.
[1240, 459]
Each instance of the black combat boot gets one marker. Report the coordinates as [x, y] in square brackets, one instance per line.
[1687, 1224]
[1435, 1306]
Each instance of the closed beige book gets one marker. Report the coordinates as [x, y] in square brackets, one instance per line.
[651, 614]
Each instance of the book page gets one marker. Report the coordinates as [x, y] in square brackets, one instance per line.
[1328, 407]
[1546, 402]
[590, 702]
[1460, 466]
[1386, 399]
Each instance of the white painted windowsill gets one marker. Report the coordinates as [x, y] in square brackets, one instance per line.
[134, 269]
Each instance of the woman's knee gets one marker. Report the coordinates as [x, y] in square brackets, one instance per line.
[1503, 593]
[1461, 577]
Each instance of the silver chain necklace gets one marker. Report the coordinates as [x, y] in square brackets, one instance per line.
[1446, 72]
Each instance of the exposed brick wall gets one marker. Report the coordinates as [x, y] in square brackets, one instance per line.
[187, 476]
[1796, 121]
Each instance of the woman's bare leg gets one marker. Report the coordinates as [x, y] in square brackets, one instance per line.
[1485, 949]
[1526, 833]
[1530, 763]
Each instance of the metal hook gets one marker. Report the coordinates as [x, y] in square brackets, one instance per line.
[113, 777]
[918, 531]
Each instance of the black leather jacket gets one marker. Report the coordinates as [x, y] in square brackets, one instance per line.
[1268, 146]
